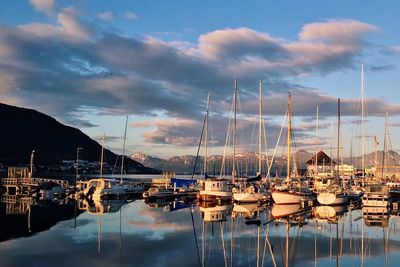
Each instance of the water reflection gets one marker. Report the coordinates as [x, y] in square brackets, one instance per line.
[180, 233]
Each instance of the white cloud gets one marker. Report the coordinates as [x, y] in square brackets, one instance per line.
[337, 31]
[45, 6]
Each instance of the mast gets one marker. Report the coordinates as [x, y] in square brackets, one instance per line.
[384, 146]
[259, 129]
[351, 147]
[123, 151]
[338, 141]
[289, 130]
[362, 123]
[206, 137]
[234, 134]
[331, 152]
[102, 156]
[316, 144]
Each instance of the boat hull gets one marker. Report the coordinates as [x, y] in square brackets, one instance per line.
[287, 197]
[249, 197]
[326, 198]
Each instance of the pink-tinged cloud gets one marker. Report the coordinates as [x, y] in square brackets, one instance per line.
[237, 43]
[396, 49]
[45, 6]
[336, 31]
[70, 29]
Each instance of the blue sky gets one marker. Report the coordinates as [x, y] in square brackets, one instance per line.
[88, 63]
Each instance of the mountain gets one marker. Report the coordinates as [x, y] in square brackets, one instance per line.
[247, 162]
[24, 130]
[178, 164]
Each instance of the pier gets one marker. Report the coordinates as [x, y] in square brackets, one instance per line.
[19, 181]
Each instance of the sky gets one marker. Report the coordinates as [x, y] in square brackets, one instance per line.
[91, 63]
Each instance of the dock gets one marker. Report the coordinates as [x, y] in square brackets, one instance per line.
[19, 181]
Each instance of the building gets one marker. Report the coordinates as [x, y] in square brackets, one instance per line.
[325, 166]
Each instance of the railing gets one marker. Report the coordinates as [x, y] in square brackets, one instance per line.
[32, 182]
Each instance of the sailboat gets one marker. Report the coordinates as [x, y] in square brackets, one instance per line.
[289, 193]
[106, 188]
[214, 188]
[335, 194]
[394, 187]
[250, 192]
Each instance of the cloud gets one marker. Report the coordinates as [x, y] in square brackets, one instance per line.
[83, 67]
[337, 31]
[45, 6]
[131, 16]
[396, 49]
[70, 29]
[107, 15]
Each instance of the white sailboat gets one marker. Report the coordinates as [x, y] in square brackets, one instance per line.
[101, 188]
[290, 193]
[253, 192]
[335, 194]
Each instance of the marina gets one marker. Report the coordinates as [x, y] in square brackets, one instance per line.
[199, 133]
[135, 232]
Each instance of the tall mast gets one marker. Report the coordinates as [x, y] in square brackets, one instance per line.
[259, 129]
[338, 140]
[362, 122]
[206, 137]
[123, 150]
[316, 143]
[234, 134]
[384, 146]
[102, 156]
[351, 147]
[331, 152]
[289, 130]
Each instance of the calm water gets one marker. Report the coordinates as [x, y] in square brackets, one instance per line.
[120, 233]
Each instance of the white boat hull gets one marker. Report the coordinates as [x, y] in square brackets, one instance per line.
[326, 198]
[249, 197]
[285, 197]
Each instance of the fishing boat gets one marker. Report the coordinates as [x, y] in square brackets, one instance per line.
[289, 192]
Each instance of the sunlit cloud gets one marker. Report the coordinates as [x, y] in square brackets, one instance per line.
[45, 6]
[77, 64]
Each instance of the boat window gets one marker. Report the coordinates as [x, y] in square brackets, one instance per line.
[93, 184]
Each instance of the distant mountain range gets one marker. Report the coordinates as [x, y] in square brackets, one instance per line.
[185, 164]
[248, 161]
[24, 130]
